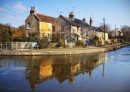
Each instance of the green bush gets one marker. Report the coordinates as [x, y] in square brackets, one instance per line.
[79, 43]
[61, 43]
[43, 42]
[95, 40]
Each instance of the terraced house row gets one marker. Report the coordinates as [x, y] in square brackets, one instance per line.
[68, 28]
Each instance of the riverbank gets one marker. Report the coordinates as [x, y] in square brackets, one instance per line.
[63, 51]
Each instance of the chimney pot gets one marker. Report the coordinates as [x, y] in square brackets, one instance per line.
[84, 20]
[71, 15]
[33, 10]
[90, 21]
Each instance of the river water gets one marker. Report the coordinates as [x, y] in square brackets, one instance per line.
[86, 72]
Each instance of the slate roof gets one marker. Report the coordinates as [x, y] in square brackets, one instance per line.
[44, 18]
[78, 22]
[96, 28]
[75, 22]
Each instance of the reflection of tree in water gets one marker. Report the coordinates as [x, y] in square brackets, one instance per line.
[62, 70]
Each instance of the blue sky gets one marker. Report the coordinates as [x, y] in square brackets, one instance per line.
[114, 11]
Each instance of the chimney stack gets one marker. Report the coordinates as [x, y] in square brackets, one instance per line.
[72, 15]
[90, 22]
[84, 20]
[33, 10]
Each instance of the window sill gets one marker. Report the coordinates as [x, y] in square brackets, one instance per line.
[28, 28]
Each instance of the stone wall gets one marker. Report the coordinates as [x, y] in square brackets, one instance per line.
[61, 51]
[42, 52]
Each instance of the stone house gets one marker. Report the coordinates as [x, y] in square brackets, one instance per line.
[38, 25]
[116, 36]
[99, 33]
[70, 28]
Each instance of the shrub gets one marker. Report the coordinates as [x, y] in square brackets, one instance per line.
[95, 40]
[61, 43]
[43, 42]
[79, 43]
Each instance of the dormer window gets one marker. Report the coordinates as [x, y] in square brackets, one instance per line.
[28, 26]
[86, 33]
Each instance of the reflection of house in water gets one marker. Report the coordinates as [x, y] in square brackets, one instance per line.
[88, 66]
[38, 73]
[41, 71]
[66, 71]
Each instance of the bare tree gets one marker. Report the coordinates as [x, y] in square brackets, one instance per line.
[107, 27]
[126, 32]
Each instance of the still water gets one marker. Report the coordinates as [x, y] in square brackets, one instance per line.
[86, 72]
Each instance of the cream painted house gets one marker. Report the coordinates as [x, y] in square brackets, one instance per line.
[38, 25]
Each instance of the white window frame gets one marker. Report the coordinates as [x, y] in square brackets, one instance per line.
[28, 26]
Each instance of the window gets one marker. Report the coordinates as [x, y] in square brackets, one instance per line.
[42, 34]
[77, 28]
[86, 33]
[48, 35]
[29, 34]
[53, 28]
[28, 26]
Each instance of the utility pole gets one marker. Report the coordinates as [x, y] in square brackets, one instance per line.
[92, 16]
[84, 13]
[73, 9]
[115, 31]
[104, 30]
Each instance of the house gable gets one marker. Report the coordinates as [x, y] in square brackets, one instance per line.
[32, 25]
[60, 22]
[62, 28]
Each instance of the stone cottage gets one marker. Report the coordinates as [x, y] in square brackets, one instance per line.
[70, 28]
[38, 25]
[97, 31]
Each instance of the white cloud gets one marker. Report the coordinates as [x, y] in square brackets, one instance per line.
[14, 17]
[19, 7]
[2, 9]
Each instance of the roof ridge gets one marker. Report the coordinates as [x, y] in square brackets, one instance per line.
[44, 15]
[45, 18]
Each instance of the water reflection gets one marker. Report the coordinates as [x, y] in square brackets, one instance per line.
[83, 72]
[43, 68]
[61, 68]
